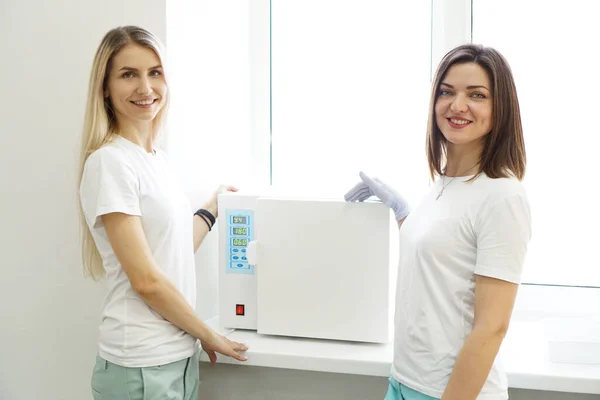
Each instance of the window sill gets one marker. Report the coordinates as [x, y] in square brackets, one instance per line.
[524, 354]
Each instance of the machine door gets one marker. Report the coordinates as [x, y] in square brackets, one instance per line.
[323, 269]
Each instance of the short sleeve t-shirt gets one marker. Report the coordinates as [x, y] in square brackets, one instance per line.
[123, 177]
[480, 227]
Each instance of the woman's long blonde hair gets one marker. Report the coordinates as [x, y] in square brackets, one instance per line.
[100, 122]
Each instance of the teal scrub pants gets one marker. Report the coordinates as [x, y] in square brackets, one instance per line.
[178, 380]
[398, 391]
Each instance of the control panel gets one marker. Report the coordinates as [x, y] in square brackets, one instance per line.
[240, 232]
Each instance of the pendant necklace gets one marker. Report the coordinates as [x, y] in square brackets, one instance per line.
[441, 192]
[443, 186]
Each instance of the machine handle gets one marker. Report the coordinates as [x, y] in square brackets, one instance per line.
[251, 252]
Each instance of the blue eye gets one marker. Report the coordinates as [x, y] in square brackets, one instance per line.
[478, 96]
[444, 92]
[155, 73]
[128, 74]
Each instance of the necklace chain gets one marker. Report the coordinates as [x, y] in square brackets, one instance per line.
[441, 192]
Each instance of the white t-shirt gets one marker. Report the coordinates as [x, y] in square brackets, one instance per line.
[123, 177]
[481, 227]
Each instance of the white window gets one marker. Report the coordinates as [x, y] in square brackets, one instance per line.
[350, 91]
[304, 94]
[350, 86]
[209, 122]
[553, 50]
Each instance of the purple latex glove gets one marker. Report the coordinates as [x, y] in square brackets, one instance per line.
[369, 187]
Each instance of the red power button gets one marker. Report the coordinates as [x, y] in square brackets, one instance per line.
[239, 309]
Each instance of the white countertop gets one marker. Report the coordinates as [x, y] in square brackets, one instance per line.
[524, 354]
[525, 357]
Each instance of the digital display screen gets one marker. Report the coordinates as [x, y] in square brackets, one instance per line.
[237, 219]
[240, 231]
[240, 242]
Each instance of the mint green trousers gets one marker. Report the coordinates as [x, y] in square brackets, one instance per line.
[398, 391]
[175, 381]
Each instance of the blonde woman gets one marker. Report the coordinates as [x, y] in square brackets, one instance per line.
[140, 232]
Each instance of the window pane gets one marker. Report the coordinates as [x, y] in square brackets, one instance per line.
[552, 49]
[350, 88]
[209, 120]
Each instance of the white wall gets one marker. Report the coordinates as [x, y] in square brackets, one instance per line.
[48, 312]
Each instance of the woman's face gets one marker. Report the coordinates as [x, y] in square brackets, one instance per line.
[463, 110]
[136, 85]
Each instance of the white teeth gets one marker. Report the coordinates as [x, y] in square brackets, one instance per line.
[143, 103]
[459, 121]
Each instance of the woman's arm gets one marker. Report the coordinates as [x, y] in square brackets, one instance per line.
[201, 223]
[128, 240]
[401, 222]
[503, 232]
[494, 301]
[368, 187]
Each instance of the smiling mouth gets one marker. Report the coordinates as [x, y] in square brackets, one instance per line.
[144, 102]
[458, 123]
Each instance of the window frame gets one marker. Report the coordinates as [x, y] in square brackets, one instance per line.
[451, 26]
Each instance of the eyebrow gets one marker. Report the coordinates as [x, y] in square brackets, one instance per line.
[135, 69]
[468, 87]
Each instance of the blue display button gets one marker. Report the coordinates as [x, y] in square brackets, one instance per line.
[243, 250]
[237, 265]
[236, 250]
[236, 257]
[244, 258]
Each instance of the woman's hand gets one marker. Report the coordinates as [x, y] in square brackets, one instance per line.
[212, 205]
[220, 344]
[369, 187]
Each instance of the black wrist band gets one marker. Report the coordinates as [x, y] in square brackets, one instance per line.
[207, 214]
[205, 221]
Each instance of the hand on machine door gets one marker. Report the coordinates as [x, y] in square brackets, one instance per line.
[369, 187]
[212, 204]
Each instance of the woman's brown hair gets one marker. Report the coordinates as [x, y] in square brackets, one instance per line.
[503, 151]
